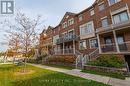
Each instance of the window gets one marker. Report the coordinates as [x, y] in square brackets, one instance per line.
[92, 12]
[101, 6]
[65, 25]
[71, 21]
[86, 28]
[70, 34]
[65, 35]
[111, 2]
[121, 43]
[80, 18]
[120, 17]
[67, 16]
[89, 28]
[108, 40]
[82, 45]
[104, 22]
[120, 40]
[93, 43]
[55, 38]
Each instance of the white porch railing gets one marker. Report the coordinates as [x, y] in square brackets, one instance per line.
[94, 54]
[83, 59]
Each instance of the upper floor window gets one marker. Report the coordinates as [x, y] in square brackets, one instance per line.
[64, 24]
[111, 2]
[120, 17]
[92, 12]
[101, 6]
[67, 16]
[86, 28]
[80, 18]
[71, 21]
[105, 22]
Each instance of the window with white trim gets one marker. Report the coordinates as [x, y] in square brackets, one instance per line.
[92, 12]
[82, 45]
[120, 17]
[64, 25]
[93, 43]
[101, 6]
[80, 18]
[87, 28]
[111, 2]
[55, 38]
[105, 22]
[71, 21]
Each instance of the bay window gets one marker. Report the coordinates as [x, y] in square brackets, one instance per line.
[86, 28]
[120, 17]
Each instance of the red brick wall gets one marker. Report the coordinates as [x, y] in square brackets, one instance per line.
[86, 18]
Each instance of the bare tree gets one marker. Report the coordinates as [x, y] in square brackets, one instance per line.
[23, 35]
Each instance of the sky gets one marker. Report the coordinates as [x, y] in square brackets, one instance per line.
[52, 11]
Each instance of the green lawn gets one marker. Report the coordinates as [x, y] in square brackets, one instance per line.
[113, 75]
[40, 77]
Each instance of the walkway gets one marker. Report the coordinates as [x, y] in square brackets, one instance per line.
[98, 78]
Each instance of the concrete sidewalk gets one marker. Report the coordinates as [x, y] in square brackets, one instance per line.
[98, 78]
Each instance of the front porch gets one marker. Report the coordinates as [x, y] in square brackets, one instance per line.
[66, 44]
[115, 42]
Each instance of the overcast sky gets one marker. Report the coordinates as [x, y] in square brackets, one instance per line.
[52, 11]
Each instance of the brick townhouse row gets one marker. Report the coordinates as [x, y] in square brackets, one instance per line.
[104, 26]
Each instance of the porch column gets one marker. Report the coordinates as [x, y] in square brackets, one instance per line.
[63, 48]
[99, 45]
[115, 38]
[74, 46]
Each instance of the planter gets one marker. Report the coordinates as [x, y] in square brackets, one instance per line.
[106, 69]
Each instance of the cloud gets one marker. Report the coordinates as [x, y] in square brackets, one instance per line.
[51, 10]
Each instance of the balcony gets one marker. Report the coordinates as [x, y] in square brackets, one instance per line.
[66, 38]
[124, 48]
[113, 26]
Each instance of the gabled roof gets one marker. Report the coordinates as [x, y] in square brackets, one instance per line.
[49, 28]
[96, 1]
[45, 30]
[66, 14]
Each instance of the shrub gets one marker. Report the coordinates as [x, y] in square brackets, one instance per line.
[62, 59]
[107, 61]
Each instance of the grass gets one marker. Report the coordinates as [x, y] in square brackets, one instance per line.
[58, 66]
[40, 77]
[113, 75]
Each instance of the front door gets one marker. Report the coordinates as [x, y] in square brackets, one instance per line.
[121, 43]
[127, 59]
[108, 43]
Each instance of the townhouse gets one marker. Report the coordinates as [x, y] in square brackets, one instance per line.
[104, 26]
[46, 41]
